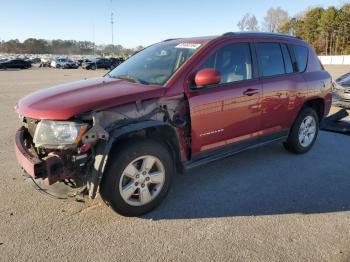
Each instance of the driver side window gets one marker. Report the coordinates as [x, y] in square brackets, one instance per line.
[234, 63]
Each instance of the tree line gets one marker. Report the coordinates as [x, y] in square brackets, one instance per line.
[63, 47]
[327, 30]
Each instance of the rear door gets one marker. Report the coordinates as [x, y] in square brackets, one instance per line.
[228, 112]
[280, 95]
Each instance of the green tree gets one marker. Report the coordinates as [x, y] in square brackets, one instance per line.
[328, 31]
[328, 27]
[311, 28]
[343, 39]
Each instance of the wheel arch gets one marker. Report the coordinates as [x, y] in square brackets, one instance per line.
[151, 129]
[159, 131]
[318, 104]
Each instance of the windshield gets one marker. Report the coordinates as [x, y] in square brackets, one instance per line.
[155, 64]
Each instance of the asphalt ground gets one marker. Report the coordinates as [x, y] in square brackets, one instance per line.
[263, 204]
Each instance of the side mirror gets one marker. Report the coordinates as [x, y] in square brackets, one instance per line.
[207, 76]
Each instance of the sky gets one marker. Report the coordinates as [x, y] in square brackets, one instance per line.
[136, 22]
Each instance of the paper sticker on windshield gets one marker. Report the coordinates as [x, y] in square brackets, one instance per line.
[188, 45]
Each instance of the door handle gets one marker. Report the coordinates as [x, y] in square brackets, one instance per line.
[250, 92]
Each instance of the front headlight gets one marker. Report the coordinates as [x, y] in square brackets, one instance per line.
[58, 134]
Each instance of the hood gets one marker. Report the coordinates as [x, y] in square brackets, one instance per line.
[65, 101]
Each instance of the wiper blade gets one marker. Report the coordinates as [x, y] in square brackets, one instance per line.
[132, 79]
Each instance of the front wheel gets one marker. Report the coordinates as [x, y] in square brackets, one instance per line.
[138, 177]
[304, 132]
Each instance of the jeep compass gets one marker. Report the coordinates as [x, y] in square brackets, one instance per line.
[173, 106]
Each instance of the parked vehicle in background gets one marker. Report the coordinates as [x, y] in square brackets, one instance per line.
[35, 60]
[100, 63]
[63, 63]
[15, 63]
[45, 62]
[173, 106]
[81, 61]
[341, 91]
[117, 60]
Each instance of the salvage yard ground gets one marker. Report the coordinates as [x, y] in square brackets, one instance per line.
[260, 205]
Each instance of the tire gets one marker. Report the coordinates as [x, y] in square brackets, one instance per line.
[129, 156]
[58, 66]
[93, 67]
[303, 134]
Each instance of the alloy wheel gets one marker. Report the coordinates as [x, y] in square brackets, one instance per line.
[142, 180]
[307, 131]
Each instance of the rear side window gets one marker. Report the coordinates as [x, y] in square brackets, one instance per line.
[301, 55]
[287, 60]
[233, 62]
[270, 58]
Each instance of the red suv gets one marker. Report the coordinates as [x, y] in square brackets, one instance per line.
[171, 107]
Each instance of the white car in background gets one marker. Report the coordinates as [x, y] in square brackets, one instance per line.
[63, 63]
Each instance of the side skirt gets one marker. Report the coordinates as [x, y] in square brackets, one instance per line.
[206, 157]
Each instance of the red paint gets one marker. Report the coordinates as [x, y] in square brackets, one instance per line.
[25, 159]
[207, 76]
[65, 101]
[219, 116]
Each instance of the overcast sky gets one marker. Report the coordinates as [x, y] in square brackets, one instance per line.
[136, 22]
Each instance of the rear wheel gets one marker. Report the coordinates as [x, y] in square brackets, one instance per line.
[304, 132]
[138, 177]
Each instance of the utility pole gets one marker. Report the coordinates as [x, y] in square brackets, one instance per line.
[112, 25]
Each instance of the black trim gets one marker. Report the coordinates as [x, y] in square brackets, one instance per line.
[255, 63]
[261, 34]
[292, 56]
[104, 147]
[232, 149]
[284, 58]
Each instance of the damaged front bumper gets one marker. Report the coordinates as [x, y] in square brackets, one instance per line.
[46, 171]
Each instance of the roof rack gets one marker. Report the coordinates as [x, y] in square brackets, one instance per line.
[228, 33]
[170, 39]
[259, 34]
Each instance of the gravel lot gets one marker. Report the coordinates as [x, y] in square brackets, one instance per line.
[260, 205]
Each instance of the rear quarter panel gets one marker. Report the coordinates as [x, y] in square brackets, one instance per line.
[319, 81]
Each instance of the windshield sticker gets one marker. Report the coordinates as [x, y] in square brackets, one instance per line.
[188, 45]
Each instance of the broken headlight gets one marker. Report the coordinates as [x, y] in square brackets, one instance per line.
[58, 134]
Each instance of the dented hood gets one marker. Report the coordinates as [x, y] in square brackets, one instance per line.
[64, 101]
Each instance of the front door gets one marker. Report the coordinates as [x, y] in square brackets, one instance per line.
[228, 112]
